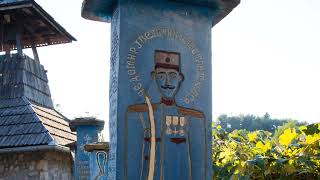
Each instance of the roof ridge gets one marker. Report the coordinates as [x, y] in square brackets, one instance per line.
[62, 137]
[54, 131]
[47, 131]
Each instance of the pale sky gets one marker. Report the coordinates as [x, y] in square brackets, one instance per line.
[266, 58]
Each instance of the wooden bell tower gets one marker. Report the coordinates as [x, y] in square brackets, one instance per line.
[24, 24]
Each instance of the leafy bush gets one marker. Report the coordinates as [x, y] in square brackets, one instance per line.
[292, 154]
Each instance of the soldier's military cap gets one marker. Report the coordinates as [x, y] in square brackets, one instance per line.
[166, 59]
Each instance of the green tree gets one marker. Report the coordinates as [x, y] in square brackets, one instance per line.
[252, 122]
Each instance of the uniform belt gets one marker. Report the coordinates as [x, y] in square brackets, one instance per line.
[178, 140]
[149, 139]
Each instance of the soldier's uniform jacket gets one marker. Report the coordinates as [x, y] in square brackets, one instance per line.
[180, 143]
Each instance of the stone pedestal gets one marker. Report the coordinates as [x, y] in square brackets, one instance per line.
[161, 86]
[88, 130]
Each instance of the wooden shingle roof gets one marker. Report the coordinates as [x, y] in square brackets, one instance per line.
[39, 28]
[25, 124]
[23, 76]
[56, 124]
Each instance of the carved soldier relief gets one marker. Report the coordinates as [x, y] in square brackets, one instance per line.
[165, 141]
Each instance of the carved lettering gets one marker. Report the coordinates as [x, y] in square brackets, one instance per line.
[83, 170]
[144, 38]
[131, 72]
[135, 79]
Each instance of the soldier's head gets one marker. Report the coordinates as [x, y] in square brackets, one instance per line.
[167, 73]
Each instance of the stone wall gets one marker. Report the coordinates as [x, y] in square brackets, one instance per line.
[46, 165]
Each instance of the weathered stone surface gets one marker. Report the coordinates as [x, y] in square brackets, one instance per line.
[32, 165]
[1, 168]
[44, 175]
[36, 165]
[42, 165]
[32, 173]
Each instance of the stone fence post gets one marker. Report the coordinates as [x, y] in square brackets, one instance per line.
[88, 130]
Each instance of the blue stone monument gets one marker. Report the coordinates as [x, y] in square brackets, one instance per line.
[88, 130]
[160, 86]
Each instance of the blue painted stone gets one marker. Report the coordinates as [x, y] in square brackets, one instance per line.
[102, 10]
[160, 50]
[88, 130]
[98, 153]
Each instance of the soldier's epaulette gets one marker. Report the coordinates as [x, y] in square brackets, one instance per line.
[140, 107]
[191, 112]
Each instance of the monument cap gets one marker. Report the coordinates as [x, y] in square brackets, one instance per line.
[89, 121]
[101, 10]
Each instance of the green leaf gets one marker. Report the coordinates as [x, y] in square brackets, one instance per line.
[311, 129]
[260, 163]
[244, 178]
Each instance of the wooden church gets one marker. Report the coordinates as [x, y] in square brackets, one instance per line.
[34, 137]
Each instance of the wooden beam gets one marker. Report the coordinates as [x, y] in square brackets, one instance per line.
[18, 42]
[19, 32]
[7, 53]
[35, 52]
[1, 30]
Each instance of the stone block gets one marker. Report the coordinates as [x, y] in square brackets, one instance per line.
[44, 176]
[29, 166]
[32, 165]
[42, 165]
[17, 168]
[32, 173]
[20, 157]
[1, 168]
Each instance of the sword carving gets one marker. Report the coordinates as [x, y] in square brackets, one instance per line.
[152, 139]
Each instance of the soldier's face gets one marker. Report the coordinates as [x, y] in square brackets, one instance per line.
[168, 81]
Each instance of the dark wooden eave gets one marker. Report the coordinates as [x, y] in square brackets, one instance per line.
[38, 27]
